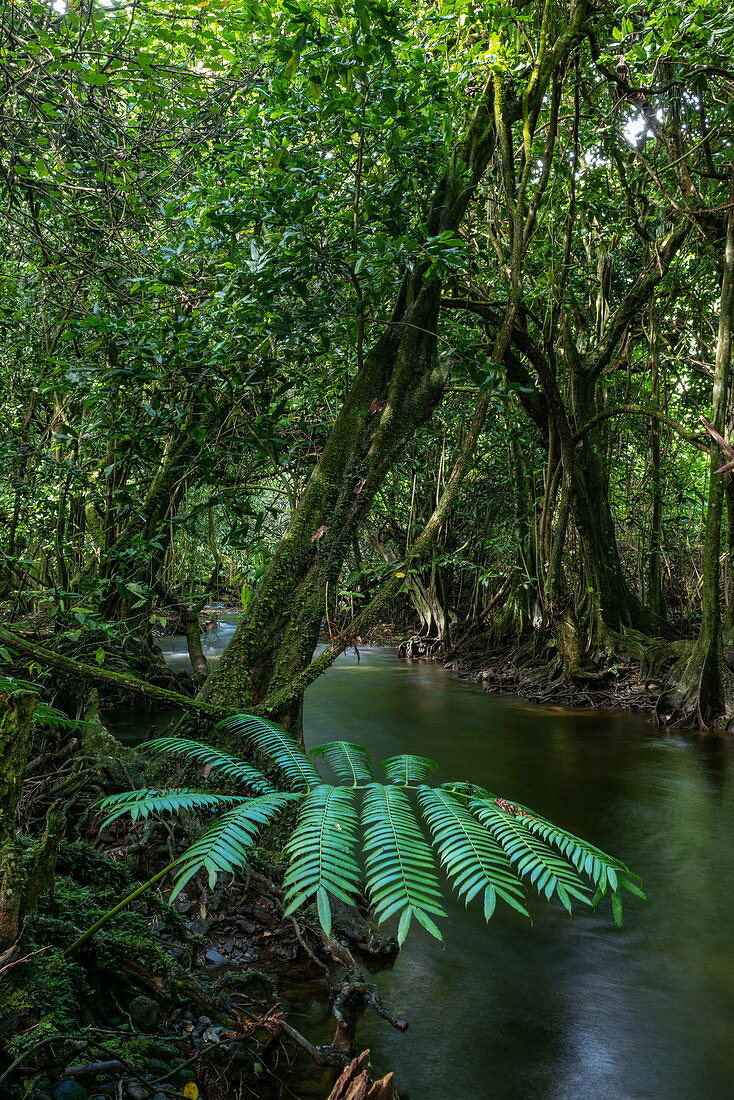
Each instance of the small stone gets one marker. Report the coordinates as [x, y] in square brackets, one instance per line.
[215, 958]
[134, 1090]
[69, 1089]
[144, 1013]
[200, 926]
[157, 1068]
[165, 1052]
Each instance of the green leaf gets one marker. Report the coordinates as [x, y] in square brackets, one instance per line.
[405, 770]
[144, 803]
[322, 851]
[207, 756]
[617, 908]
[225, 846]
[94, 77]
[273, 742]
[324, 910]
[348, 761]
[547, 870]
[400, 868]
[600, 868]
[473, 860]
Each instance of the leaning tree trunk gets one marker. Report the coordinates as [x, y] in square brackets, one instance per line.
[395, 392]
[699, 694]
[655, 598]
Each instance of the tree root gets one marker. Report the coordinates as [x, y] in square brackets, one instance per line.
[354, 1083]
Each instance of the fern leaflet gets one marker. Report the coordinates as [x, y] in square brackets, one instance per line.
[350, 762]
[406, 770]
[322, 852]
[221, 762]
[548, 871]
[275, 743]
[471, 857]
[225, 846]
[401, 876]
[139, 804]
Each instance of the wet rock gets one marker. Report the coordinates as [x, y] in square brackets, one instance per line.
[145, 1013]
[167, 1053]
[136, 1090]
[156, 1068]
[241, 1056]
[215, 958]
[200, 927]
[69, 1089]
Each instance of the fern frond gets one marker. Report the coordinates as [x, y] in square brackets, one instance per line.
[401, 875]
[224, 847]
[322, 852]
[144, 803]
[473, 860]
[405, 770]
[546, 869]
[275, 743]
[221, 762]
[603, 870]
[609, 875]
[348, 761]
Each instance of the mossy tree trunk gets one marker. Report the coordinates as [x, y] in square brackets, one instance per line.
[611, 604]
[575, 444]
[395, 393]
[400, 383]
[655, 597]
[699, 697]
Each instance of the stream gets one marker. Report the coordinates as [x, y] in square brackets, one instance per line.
[564, 1008]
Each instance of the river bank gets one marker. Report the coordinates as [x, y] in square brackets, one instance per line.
[622, 687]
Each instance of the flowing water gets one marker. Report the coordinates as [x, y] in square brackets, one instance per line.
[565, 1008]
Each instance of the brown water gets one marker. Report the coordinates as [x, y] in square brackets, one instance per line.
[566, 1008]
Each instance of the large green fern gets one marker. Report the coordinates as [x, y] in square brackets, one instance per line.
[404, 828]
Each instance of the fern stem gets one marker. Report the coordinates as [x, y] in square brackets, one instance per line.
[118, 909]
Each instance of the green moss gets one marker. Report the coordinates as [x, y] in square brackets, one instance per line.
[52, 995]
[48, 1002]
[87, 867]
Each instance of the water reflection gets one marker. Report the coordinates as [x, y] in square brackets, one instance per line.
[564, 1009]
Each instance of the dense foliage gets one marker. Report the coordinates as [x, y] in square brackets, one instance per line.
[316, 278]
[347, 316]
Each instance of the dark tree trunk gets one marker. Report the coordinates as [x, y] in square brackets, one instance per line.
[700, 695]
[26, 866]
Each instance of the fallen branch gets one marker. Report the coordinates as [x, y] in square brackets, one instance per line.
[51, 659]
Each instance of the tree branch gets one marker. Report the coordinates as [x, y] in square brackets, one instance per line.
[49, 658]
